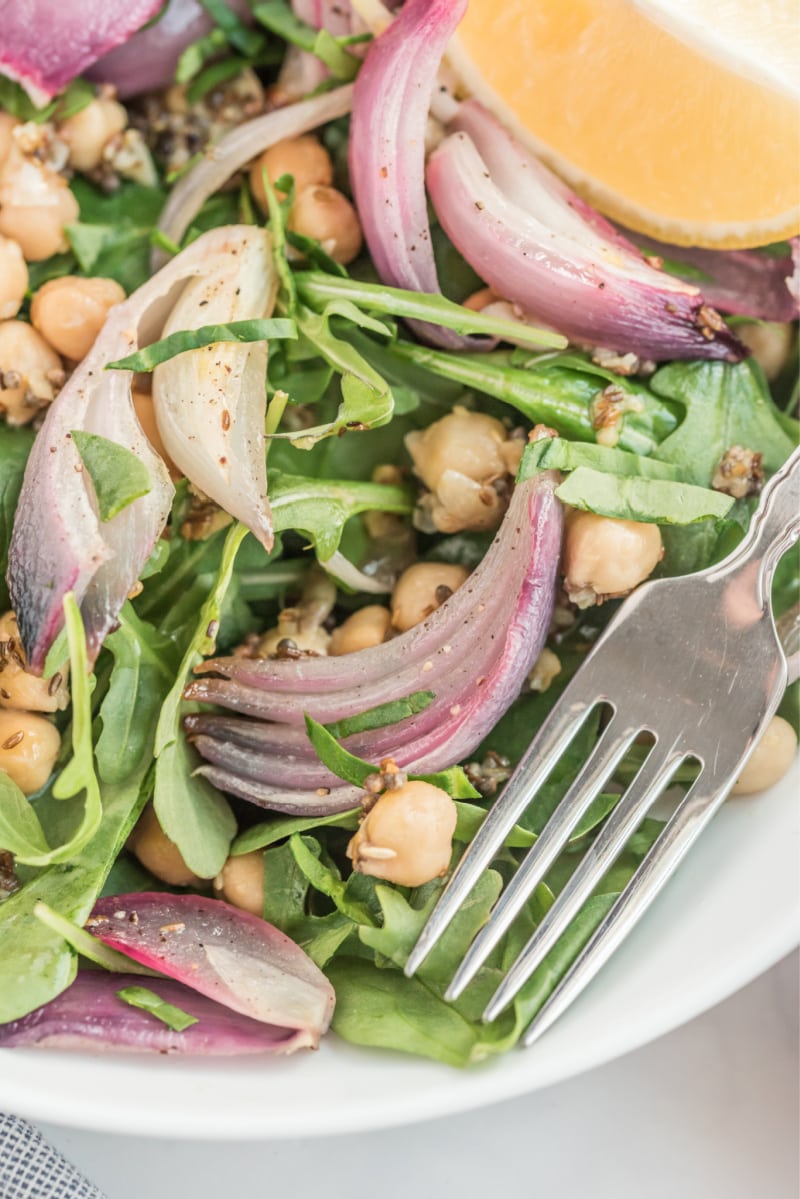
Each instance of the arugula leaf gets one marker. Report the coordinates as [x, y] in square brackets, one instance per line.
[248, 41]
[147, 1000]
[658, 501]
[190, 810]
[320, 508]
[318, 290]
[184, 340]
[87, 945]
[261, 836]
[112, 238]
[382, 715]
[20, 830]
[117, 475]
[15, 445]
[327, 881]
[143, 664]
[556, 390]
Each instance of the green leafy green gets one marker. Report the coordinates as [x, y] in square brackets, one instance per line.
[556, 453]
[117, 475]
[15, 445]
[16, 101]
[318, 290]
[629, 498]
[20, 830]
[147, 1000]
[338, 760]
[269, 832]
[382, 715]
[196, 339]
[112, 238]
[320, 508]
[331, 50]
[190, 810]
[240, 36]
[144, 663]
[327, 880]
[87, 945]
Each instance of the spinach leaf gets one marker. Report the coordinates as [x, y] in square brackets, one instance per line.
[382, 715]
[147, 1000]
[117, 475]
[725, 406]
[320, 508]
[184, 340]
[15, 445]
[269, 832]
[20, 830]
[112, 238]
[190, 810]
[659, 501]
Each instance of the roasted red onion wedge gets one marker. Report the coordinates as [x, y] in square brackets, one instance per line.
[147, 60]
[236, 149]
[744, 282]
[211, 404]
[474, 653]
[544, 249]
[391, 102]
[46, 43]
[59, 543]
[89, 1015]
[229, 955]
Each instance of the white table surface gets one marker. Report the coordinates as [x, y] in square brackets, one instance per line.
[710, 1111]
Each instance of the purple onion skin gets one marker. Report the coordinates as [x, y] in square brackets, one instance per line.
[558, 280]
[474, 654]
[224, 953]
[742, 282]
[391, 101]
[147, 60]
[45, 44]
[90, 1016]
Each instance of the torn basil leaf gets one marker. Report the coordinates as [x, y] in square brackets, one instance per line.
[147, 1000]
[117, 475]
[184, 340]
[656, 501]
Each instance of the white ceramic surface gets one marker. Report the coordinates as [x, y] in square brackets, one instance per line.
[732, 910]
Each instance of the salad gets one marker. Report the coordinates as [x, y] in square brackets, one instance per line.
[333, 428]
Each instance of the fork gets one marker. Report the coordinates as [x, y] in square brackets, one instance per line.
[694, 662]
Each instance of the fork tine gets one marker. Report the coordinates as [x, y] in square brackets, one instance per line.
[596, 770]
[664, 856]
[653, 777]
[538, 760]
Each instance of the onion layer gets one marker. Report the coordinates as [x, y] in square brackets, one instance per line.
[236, 149]
[46, 43]
[229, 955]
[391, 102]
[474, 653]
[59, 543]
[539, 245]
[89, 1015]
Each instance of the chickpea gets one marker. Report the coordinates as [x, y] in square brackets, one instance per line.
[605, 558]
[325, 214]
[7, 126]
[39, 227]
[13, 278]
[145, 410]
[469, 442]
[545, 670]
[422, 589]
[151, 845]
[89, 131]
[304, 158]
[770, 760]
[407, 836]
[363, 630]
[29, 746]
[770, 344]
[20, 690]
[308, 636]
[30, 372]
[70, 312]
[480, 299]
[241, 882]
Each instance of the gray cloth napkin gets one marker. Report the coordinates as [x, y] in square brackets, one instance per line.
[30, 1168]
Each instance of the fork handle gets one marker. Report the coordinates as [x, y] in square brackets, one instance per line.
[775, 526]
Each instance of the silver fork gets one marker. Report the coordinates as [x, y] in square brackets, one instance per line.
[695, 662]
